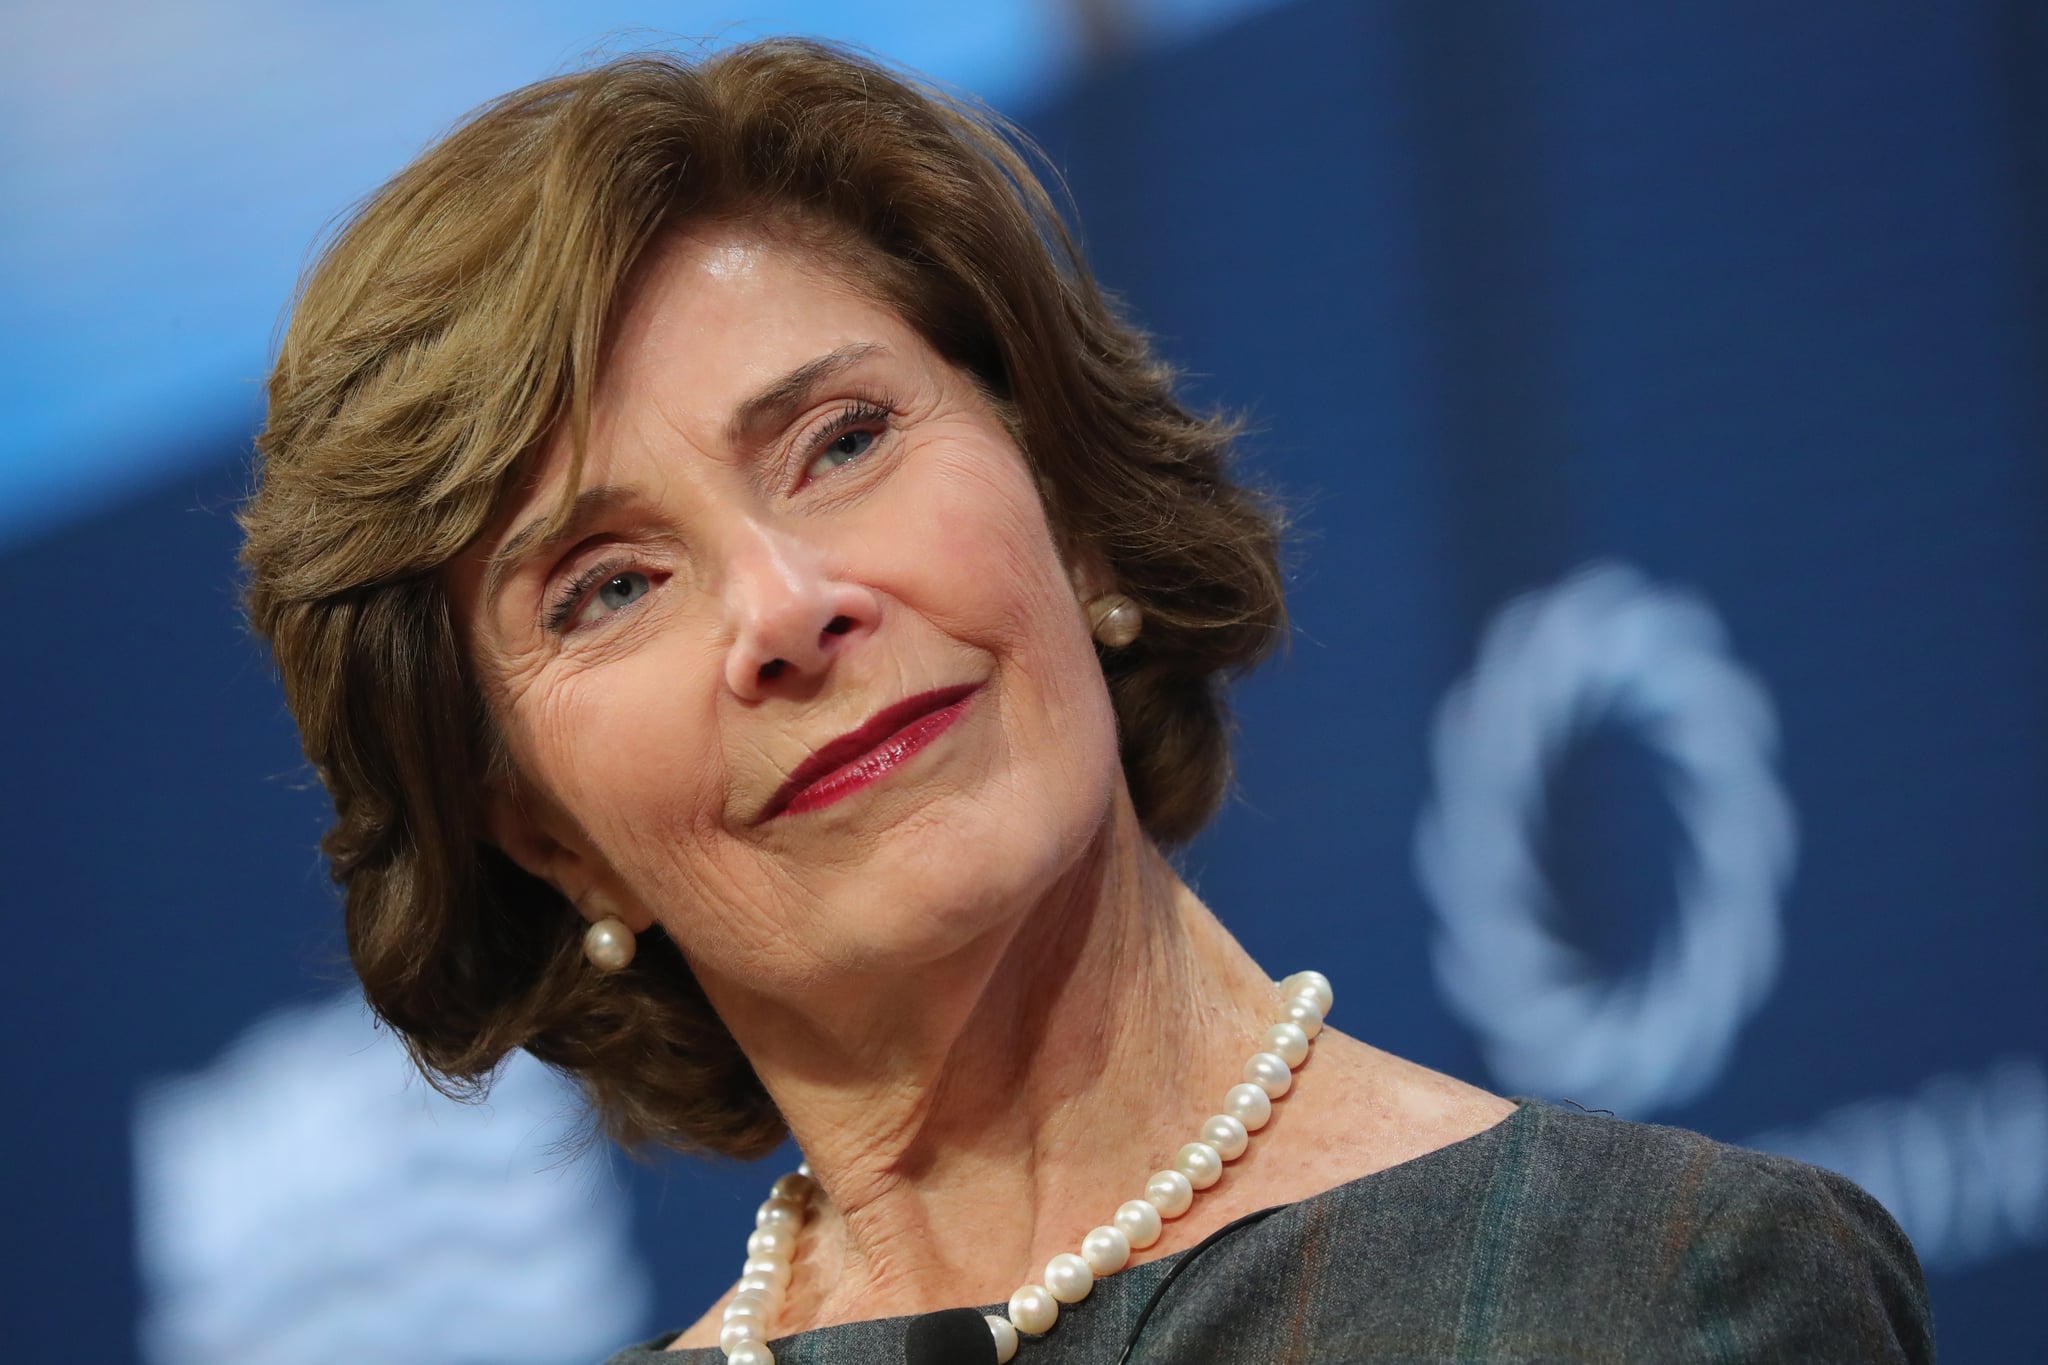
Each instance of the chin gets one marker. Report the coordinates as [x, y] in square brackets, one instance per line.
[966, 869]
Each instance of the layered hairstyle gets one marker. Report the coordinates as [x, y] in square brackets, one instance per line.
[457, 323]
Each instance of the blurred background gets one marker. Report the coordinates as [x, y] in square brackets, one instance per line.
[1662, 394]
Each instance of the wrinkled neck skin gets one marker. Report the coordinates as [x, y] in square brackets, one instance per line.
[970, 1122]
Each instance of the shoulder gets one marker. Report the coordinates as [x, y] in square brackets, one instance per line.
[1748, 1255]
[1690, 1183]
[1564, 1236]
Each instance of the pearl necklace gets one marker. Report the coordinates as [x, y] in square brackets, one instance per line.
[1068, 1278]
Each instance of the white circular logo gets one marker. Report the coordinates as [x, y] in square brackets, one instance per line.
[1605, 644]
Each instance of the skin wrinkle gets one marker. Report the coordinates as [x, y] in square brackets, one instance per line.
[976, 991]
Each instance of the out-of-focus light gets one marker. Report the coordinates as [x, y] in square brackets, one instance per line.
[164, 171]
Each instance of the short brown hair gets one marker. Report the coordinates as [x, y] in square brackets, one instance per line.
[456, 323]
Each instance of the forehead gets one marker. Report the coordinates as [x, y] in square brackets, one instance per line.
[709, 318]
[713, 314]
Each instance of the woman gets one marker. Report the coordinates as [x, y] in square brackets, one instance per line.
[759, 614]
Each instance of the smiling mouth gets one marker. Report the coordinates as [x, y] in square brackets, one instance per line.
[884, 743]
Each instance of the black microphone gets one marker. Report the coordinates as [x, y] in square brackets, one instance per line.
[952, 1336]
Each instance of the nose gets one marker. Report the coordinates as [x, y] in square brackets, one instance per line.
[789, 615]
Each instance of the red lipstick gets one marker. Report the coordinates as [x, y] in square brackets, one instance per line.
[884, 743]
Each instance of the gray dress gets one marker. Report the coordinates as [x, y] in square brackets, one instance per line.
[1553, 1236]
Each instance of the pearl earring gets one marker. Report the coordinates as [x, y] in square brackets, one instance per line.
[609, 944]
[1114, 619]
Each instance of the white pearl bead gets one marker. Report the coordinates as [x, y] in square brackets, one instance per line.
[803, 1168]
[1068, 1277]
[759, 1284]
[1249, 1105]
[1138, 1220]
[750, 1353]
[1170, 1192]
[795, 1187]
[771, 1244]
[1305, 983]
[1288, 1043]
[1106, 1249]
[1227, 1134]
[739, 1330]
[1119, 622]
[1265, 1071]
[609, 945]
[1005, 1335]
[775, 1270]
[760, 1304]
[786, 1214]
[745, 1312]
[1200, 1163]
[1033, 1309]
[1303, 1012]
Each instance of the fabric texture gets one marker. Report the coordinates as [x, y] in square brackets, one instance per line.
[1555, 1235]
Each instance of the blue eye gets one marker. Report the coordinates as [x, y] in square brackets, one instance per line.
[851, 434]
[622, 590]
[847, 445]
[594, 594]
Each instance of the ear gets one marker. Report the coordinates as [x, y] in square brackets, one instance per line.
[1089, 574]
[547, 845]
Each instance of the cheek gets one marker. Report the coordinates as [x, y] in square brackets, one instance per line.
[632, 752]
[589, 736]
[992, 577]
[985, 554]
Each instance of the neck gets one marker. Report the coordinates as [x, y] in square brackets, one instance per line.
[966, 1124]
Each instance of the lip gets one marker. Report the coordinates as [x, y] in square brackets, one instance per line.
[879, 746]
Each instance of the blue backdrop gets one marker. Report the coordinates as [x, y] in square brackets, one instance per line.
[1661, 392]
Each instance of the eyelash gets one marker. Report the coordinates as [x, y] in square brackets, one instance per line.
[576, 589]
[862, 411]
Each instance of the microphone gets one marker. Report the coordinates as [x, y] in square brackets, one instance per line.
[952, 1336]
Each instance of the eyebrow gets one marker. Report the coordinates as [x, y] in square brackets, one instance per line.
[770, 406]
[777, 402]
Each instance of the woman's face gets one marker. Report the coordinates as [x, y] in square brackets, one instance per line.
[804, 547]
